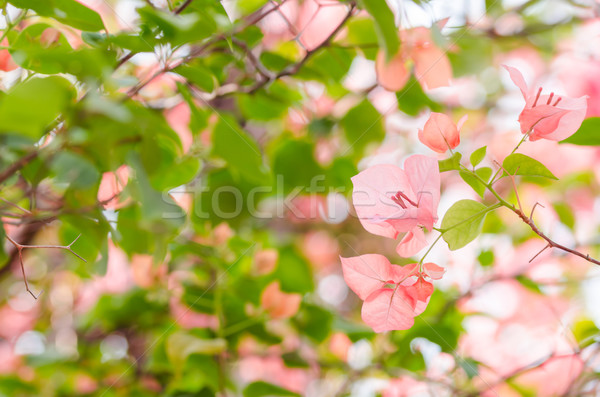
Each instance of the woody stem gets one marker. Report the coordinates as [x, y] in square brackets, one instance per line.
[529, 221]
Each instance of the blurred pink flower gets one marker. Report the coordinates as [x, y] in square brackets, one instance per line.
[393, 295]
[440, 133]
[339, 344]
[311, 22]
[389, 200]
[547, 116]
[178, 118]
[431, 64]
[393, 74]
[111, 186]
[279, 304]
[272, 369]
[14, 322]
[9, 361]
[6, 62]
[265, 261]
[406, 386]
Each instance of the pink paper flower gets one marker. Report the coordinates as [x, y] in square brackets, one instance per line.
[390, 200]
[551, 116]
[440, 133]
[393, 295]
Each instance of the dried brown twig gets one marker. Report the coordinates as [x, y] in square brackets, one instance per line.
[21, 247]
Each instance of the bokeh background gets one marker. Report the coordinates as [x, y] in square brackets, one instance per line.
[202, 152]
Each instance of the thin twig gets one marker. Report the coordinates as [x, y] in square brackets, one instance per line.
[21, 247]
[293, 69]
[551, 242]
[183, 6]
[16, 206]
[17, 165]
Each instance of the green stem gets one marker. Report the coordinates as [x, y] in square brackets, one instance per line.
[11, 24]
[513, 151]
[240, 326]
[430, 248]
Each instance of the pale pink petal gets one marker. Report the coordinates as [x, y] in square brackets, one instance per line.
[421, 290]
[439, 133]
[389, 309]
[542, 119]
[373, 189]
[279, 304]
[366, 273]
[517, 78]
[461, 122]
[413, 242]
[317, 22]
[433, 271]
[569, 124]
[404, 219]
[391, 75]
[432, 67]
[424, 177]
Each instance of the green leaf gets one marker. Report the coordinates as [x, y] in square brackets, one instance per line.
[588, 134]
[197, 74]
[363, 124]
[3, 255]
[412, 99]
[486, 258]
[293, 272]
[519, 164]
[75, 170]
[30, 51]
[234, 145]
[69, 12]
[451, 163]
[477, 156]
[385, 26]
[470, 367]
[484, 173]
[295, 164]
[180, 345]
[314, 321]
[361, 32]
[264, 389]
[179, 29]
[462, 223]
[31, 106]
[528, 283]
[565, 214]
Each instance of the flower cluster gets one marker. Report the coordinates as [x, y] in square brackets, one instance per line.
[393, 295]
[390, 201]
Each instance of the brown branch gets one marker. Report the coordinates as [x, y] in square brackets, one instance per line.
[296, 67]
[183, 6]
[260, 68]
[551, 242]
[16, 206]
[200, 50]
[16, 166]
[21, 247]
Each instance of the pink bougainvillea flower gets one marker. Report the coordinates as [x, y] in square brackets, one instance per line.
[393, 295]
[390, 200]
[431, 64]
[279, 304]
[6, 62]
[551, 116]
[393, 74]
[440, 133]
